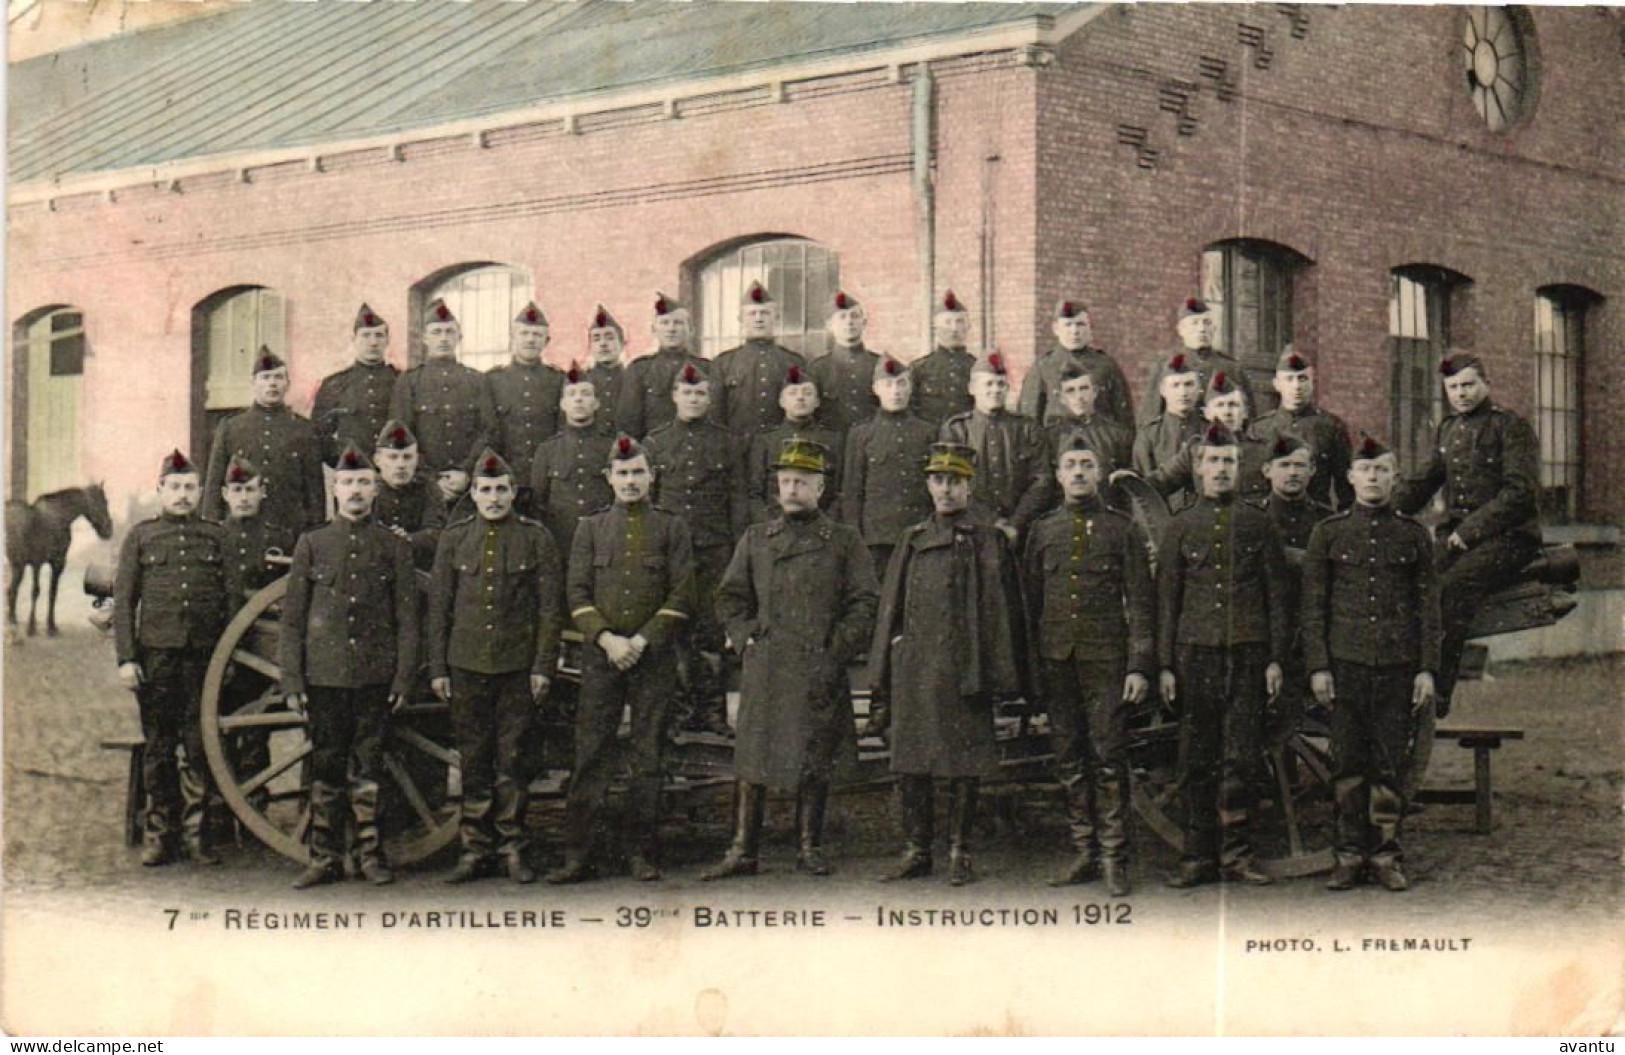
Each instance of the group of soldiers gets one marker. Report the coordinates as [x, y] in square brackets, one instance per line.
[794, 517]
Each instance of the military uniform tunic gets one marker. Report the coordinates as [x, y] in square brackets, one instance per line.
[749, 378]
[526, 396]
[243, 544]
[1158, 447]
[1205, 362]
[1326, 436]
[948, 643]
[1041, 391]
[419, 509]
[284, 447]
[1112, 444]
[495, 598]
[1294, 519]
[882, 491]
[762, 482]
[699, 476]
[644, 403]
[942, 384]
[352, 406]
[448, 406]
[567, 479]
[846, 380]
[606, 386]
[1010, 463]
[350, 617]
[798, 600]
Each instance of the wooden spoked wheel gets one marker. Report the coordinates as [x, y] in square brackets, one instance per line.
[259, 749]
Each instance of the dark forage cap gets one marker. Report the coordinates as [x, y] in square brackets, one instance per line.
[1370, 448]
[437, 311]
[845, 301]
[1180, 364]
[951, 302]
[367, 319]
[758, 294]
[1291, 362]
[1074, 441]
[352, 459]
[797, 376]
[490, 465]
[531, 315]
[1070, 309]
[175, 462]
[955, 459]
[603, 320]
[625, 448]
[394, 436]
[991, 363]
[1286, 445]
[1454, 364]
[1218, 436]
[890, 366]
[1194, 306]
[665, 305]
[1221, 384]
[267, 361]
[240, 470]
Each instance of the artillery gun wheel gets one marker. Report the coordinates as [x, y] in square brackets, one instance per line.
[242, 700]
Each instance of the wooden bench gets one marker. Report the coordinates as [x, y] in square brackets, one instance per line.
[135, 790]
[1482, 739]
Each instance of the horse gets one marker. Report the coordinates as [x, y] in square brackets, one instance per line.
[40, 534]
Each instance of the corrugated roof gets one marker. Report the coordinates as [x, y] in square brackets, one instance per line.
[275, 73]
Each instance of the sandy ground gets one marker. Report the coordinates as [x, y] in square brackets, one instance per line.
[1545, 883]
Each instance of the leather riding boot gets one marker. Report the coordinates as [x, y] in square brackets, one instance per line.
[368, 841]
[811, 806]
[916, 797]
[1346, 873]
[512, 799]
[1080, 826]
[154, 846]
[195, 814]
[961, 819]
[1111, 804]
[474, 829]
[579, 822]
[744, 854]
[644, 810]
[326, 824]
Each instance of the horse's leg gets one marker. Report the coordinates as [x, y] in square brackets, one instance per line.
[50, 608]
[33, 599]
[14, 579]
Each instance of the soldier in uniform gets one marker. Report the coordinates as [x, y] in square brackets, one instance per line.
[942, 377]
[408, 503]
[169, 607]
[1197, 328]
[1162, 441]
[1371, 626]
[1112, 443]
[1223, 630]
[285, 448]
[798, 600]
[645, 398]
[1289, 469]
[700, 477]
[567, 475]
[1225, 405]
[447, 405]
[1298, 414]
[799, 396]
[845, 376]
[882, 492]
[353, 404]
[947, 646]
[349, 654]
[495, 612]
[1009, 486]
[750, 374]
[1072, 353]
[630, 587]
[1091, 612]
[1487, 461]
[605, 342]
[247, 571]
[526, 391]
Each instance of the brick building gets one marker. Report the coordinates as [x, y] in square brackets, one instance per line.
[1372, 183]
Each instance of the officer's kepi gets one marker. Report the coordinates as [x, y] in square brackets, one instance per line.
[808, 456]
[954, 459]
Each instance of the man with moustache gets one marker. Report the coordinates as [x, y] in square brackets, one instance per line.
[798, 600]
[1371, 631]
[1486, 460]
[169, 606]
[1299, 415]
[1223, 631]
[1091, 621]
[1074, 329]
[284, 447]
[353, 404]
[801, 399]
[846, 374]
[948, 646]
[348, 656]
[447, 405]
[645, 402]
[495, 613]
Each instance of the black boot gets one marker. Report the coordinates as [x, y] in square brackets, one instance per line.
[961, 818]
[1080, 824]
[811, 807]
[744, 855]
[194, 786]
[1111, 805]
[368, 842]
[326, 824]
[916, 797]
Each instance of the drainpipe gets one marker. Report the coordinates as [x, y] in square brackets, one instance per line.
[925, 210]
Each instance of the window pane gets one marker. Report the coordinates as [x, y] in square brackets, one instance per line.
[485, 300]
[802, 277]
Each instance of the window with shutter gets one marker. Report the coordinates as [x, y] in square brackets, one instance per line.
[1249, 284]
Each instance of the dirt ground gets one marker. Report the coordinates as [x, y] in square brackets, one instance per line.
[1552, 860]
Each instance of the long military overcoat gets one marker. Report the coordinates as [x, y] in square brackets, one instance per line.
[799, 599]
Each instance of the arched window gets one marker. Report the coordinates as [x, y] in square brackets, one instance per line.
[1560, 337]
[228, 329]
[1249, 284]
[48, 368]
[801, 275]
[485, 298]
[1419, 330]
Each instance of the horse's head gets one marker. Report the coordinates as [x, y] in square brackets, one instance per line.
[96, 510]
